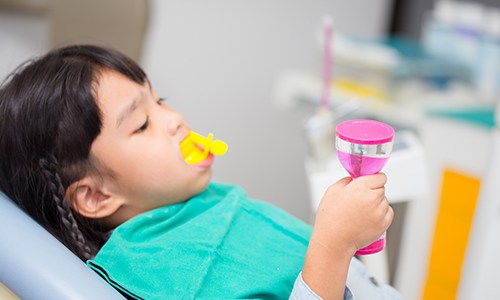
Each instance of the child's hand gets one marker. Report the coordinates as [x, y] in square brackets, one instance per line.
[353, 213]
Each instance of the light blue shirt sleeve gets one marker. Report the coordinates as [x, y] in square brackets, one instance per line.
[360, 285]
[303, 292]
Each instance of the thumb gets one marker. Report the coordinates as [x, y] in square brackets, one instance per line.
[340, 184]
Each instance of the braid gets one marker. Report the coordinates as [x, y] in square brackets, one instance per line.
[49, 168]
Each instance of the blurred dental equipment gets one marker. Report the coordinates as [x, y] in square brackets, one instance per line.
[319, 127]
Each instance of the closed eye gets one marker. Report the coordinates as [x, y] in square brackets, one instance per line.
[143, 127]
[161, 101]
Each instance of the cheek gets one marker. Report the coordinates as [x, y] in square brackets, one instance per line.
[156, 163]
[142, 161]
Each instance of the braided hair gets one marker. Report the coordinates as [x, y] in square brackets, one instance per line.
[49, 119]
[49, 171]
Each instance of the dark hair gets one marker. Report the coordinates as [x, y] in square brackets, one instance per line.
[49, 119]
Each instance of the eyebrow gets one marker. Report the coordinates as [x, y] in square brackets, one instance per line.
[128, 110]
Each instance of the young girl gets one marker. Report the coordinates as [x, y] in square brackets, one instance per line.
[87, 148]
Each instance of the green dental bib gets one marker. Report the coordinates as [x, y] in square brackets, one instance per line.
[217, 245]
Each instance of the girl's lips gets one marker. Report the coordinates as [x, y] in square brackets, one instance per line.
[207, 162]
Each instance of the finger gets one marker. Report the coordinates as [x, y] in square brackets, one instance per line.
[389, 217]
[344, 181]
[379, 193]
[374, 181]
[339, 184]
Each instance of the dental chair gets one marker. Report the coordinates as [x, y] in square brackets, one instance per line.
[35, 265]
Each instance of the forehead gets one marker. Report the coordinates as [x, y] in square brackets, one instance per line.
[115, 91]
[113, 86]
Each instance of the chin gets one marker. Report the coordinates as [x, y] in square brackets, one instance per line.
[205, 184]
[201, 185]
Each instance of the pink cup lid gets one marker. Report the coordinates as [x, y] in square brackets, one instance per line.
[367, 132]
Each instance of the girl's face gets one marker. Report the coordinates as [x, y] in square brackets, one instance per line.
[140, 144]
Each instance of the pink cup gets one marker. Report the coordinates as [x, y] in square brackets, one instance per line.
[363, 148]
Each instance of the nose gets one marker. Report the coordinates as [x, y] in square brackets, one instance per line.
[175, 121]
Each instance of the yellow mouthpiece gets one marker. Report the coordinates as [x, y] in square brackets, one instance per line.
[196, 148]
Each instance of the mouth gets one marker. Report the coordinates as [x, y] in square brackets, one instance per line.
[199, 150]
[194, 154]
[207, 162]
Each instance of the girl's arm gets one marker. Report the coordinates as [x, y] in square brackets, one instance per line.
[351, 215]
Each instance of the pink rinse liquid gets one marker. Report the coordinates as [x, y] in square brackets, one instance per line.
[373, 248]
[356, 166]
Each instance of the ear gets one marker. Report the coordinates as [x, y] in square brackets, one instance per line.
[89, 199]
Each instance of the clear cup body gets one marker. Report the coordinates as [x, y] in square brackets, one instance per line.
[362, 159]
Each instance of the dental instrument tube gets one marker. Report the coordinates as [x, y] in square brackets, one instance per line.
[319, 128]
